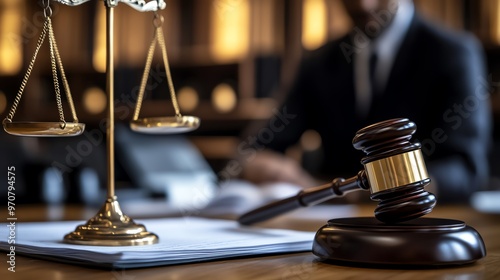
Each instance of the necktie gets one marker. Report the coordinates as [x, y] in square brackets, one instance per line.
[372, 67]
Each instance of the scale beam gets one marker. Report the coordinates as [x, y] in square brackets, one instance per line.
[139, 5]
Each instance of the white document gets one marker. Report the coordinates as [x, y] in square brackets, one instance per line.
[182, 240]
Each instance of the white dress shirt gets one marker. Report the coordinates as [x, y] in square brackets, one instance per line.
[386, 47]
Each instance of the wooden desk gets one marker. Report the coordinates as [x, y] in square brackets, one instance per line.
[300, 266]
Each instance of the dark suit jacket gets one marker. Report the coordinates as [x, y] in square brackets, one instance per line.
[438, 81]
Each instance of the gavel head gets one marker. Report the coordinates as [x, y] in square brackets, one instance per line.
[395, 170]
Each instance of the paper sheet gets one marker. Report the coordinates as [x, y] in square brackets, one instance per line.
[182, 240]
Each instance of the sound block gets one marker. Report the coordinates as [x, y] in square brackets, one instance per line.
[420, 242]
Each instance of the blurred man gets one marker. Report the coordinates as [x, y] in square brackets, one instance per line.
[392, 64]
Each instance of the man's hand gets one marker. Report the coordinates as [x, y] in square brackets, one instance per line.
[269, 166]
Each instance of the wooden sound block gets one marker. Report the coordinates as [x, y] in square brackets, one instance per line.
[420, 242]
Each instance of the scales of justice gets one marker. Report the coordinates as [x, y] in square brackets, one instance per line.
[110, 226]
[390, 157]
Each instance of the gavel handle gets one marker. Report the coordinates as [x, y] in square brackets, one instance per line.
[308, 197]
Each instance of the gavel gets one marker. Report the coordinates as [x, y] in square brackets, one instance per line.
[394, 173]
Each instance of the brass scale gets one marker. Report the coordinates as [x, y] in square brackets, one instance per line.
[110, 226]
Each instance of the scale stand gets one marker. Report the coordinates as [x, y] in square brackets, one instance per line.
[110, 226]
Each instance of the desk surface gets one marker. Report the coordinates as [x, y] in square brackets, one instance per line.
[299, 266]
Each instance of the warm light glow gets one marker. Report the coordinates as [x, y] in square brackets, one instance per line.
[3, 102]
[10, 37]
[94, 100]
[223, 98]
[99, 56]
[314, 23]
[310, 140]
[230, 29]
[188, 99]
[496, 21]
[339, 21]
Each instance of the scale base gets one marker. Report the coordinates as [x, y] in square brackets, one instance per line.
[110, 227]
[420, 242]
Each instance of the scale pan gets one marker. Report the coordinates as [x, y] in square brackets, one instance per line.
[43, 129]
[165, 125]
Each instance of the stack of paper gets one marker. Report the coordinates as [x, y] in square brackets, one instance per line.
[182, 240]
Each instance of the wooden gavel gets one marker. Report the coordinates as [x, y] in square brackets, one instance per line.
[394, 172]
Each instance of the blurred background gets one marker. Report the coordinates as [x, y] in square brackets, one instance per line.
[230, 61]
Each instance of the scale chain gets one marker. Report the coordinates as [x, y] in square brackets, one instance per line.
[17, 99]
[63, 77]
[144, 79]
[161, 41]
[157, 38]
[54, 75]
[56, 62]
